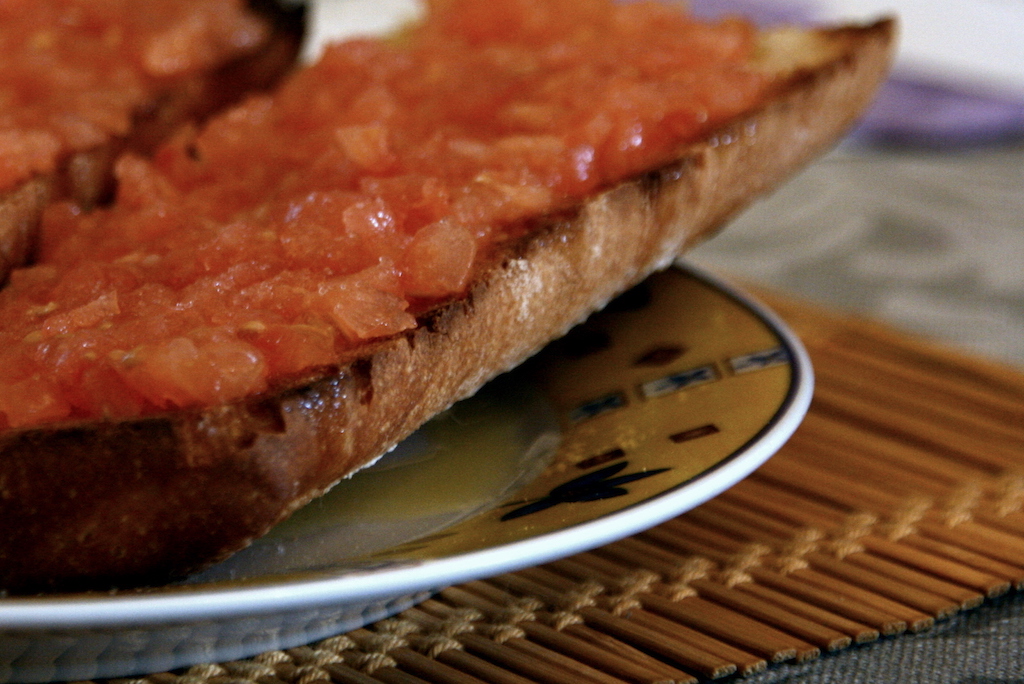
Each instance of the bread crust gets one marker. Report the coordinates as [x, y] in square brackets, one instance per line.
[20, 211]
[135, 502]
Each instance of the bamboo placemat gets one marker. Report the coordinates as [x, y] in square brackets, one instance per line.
[897, 503]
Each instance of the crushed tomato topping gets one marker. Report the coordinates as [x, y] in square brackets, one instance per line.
[365, 189]
[73, 73]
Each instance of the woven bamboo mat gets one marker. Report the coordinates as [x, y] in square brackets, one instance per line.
[897, 503]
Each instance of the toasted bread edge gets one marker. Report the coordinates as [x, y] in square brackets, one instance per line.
[138, 502]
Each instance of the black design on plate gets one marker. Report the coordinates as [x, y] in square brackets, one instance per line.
[597, 407]
[600, 484]
[601, 459]
[660, 356]
[678, 381]
[695, 433]
[768, 358]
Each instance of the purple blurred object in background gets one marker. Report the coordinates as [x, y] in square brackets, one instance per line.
[763, 12]
[910, 112]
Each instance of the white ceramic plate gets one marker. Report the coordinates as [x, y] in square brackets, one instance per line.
[680, 389]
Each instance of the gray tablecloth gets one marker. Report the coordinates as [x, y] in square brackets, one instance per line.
[931, 242]
[981, 646]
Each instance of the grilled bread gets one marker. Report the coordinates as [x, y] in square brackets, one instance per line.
[114, 503]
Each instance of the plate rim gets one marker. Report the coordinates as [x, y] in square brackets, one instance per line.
[288, 593]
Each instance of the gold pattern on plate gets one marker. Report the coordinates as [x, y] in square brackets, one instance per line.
[670, 381]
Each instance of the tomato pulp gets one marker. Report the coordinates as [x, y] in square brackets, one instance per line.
[73, 74]
[365, 189]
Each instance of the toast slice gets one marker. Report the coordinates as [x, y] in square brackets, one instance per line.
[82, 171]
[119, 503]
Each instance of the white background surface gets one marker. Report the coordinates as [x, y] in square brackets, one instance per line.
[977, 43]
